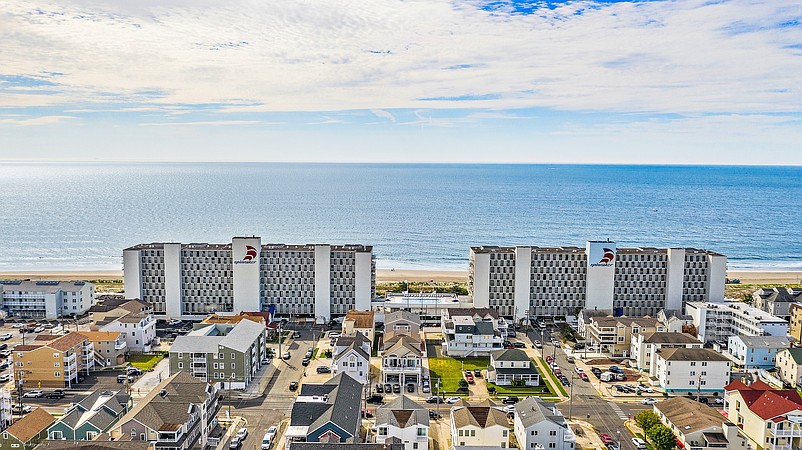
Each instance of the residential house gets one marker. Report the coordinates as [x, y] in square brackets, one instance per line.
[95, 445]
[428, 307]
[358, 340]
[401, 323]
[756, 352]
[613, 335]
[53, 361]
[776, 301]
[180, 413]
[795, 322]
[512, 365]
[472, 331]
[328, 412]
[223, 353]
[91, 417]
[46, 299]
[479, 426]
[133, 319]
[110, 347]
[405, 421]
[691, 370]
[402, 362]
[717, 321]
[698, 426]
[359, 322]
[770, 418]
[27, 432]
[675, 321]
[646, 344]
[362, 446]
[540, 425]
[789, 365]
[354, 361]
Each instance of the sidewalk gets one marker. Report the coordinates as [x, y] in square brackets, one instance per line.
[586, 435]
[142, 387]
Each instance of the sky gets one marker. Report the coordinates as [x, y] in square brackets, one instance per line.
[643, 82]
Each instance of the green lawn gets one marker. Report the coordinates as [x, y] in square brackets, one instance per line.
[145, 362]
[314, 353]
[449, 371]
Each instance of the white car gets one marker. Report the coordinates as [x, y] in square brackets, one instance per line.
[5, 378]
[453, 400]
[718, 401]
[269, 436]
[5, 336]
[579, 370]
[509, 409]
[38, 329]
[242, 433]
[173, 322]
[334, 334]
[34, 394]
[17, 325]
[648, 401]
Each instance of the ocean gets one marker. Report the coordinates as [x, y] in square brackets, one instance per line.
[79, 216]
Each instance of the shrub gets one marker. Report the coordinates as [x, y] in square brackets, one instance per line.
[662, 437]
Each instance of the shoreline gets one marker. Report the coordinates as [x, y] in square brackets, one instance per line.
[388, 276]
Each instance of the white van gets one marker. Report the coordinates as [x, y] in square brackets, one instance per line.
[639, 443]
[269, 436]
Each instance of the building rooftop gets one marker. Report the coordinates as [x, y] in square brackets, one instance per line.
[361, 319]
[402, 412]
[772, 342]
[336, 400]
[573, 249]
[690, 354]
[265, 247]
[511, 354]
[765, 401]
[30, 425]
[478, 416]
[49, 287]
[662, 337]
[533, 410]
[690, 416]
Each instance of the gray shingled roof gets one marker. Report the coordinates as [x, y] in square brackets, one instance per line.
[533, 410]
[356, 348]
[401, 315]
[691, 354]
[484, 328]
[196, 344]
[101, 417]
[402, 412]
[510, 354]
[181, 390]
[777, 342]
[403, 347]
[342, 406]
[243, 335]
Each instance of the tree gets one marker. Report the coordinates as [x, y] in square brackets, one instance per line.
[646, 420]
[662, 437]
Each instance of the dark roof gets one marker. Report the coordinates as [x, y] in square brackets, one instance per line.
[94, 445]
[510, 354]
[473, 312]
[338, 446]
[170, 402]
[661, 337]
[402, 412]
[100, 408]
[484, 328]
[691, 354]
[796, 354]
[779, 294]
[357, 349]
[340, 405]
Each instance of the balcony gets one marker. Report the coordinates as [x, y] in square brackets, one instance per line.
[198, 359]
[70, 359]
[401, 369]
[794, 432]
[120, 345]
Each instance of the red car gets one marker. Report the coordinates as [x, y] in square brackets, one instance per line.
[469, 377]
[606, 439]
[558, 372]
[584, 377]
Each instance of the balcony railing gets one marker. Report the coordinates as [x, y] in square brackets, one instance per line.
[120, 345]
[796, 432]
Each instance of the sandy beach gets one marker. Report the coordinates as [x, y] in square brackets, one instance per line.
[384, 275]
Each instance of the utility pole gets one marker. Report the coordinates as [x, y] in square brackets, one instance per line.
[280, 355]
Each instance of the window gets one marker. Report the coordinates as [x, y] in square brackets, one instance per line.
[180, 365]
[414, 446]
[473, 433]
[534, 432]
[232, 356]
[421, 431]
[383, 431]
[552, 445]
[233, 365]
[91, 435]
[180, 354]
[460, 432]
[504, 433]
[553, 433]
[56, 374]
[221, 356]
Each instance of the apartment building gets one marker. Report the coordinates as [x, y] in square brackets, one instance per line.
[223, 353]
[328, 412]
[645, 346]
[479, 426]
[180, 413]
[46, 299]
[110, 347]
[405, 421]
[795, 322]
[756, 352]
[776, 301]
[770, 418]
[540, 425]
[789, 365]
[192, 280]
[94, 415]
[472, 331]
[691, 370]
[53, 361]
[698, 426]
[613, 335]
[717, 321]
[542, 282]
[133, 319]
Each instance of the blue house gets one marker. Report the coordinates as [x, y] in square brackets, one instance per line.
[756, 352]
[94, 415]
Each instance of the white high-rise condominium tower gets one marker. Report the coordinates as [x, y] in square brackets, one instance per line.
[190, 280]
[557, 281]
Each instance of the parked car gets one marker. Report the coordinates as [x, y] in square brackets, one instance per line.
[538, 344]
[375, 398]
[6, 336]
[426, 387]
[410, 387]
[34, 394]
[379, 388]
[3, 366]
[579, 370]
[174, 322]
[477, 373]
[24, 410]
[269, 436]
[235, 444]
[242, 433]
[296, 334]
[452, 400]
[396, 388]
[434, 414]
[639, 443]
[293, 385]
[286, 355]
[579, 346]
[510, 400]
[584, 377]
[38, 329]
[324, 369]
[334, 334]
[305, 362]
[434, 399]
[648, 401]
[570, 359]
[519, 344]
[266, 361]
[606, 439]
[615, 369]
[5, 378]
[58, 393]
[133, 371]
[309, 353]
[388, 388]
[718, 401]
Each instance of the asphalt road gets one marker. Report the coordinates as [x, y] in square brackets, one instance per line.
[586, 404]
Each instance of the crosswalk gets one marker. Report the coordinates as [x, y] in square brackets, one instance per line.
[617, 410]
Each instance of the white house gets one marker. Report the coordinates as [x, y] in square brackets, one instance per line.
[698, 426]
[354, 361]
[344, 342]
[511, 365]
[692, 370]
[541, 425]
[472, 331]
[403, 420]
[644, 346]
[401, 363]
[479, 426]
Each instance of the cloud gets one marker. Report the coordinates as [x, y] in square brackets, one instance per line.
[684, 57]
[382, 114]
[33, 121]
[212, 123]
